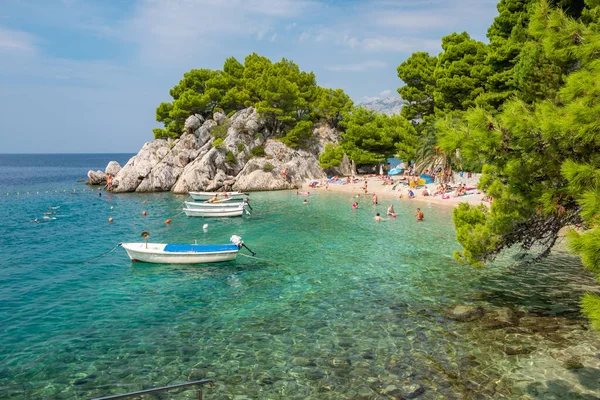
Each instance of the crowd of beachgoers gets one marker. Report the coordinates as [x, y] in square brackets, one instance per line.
[445, 188]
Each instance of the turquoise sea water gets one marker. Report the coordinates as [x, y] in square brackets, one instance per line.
[337, 306]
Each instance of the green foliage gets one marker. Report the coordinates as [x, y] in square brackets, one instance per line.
[230, 158]
[218, 143]
[220, 131]
[590, 305]
[268, 167]
[160, 133]
[332, 104]
[370, 138]
[299, 136]
[258, 151]
[332, 156]
[241, 147]
[473, 231]
[525, 107]
[417, 72]
[460, 73]
[282, 93]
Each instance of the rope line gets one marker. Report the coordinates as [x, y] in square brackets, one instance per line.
[95, 257]
[260, 259]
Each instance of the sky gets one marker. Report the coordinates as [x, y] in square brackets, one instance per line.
[86, 76]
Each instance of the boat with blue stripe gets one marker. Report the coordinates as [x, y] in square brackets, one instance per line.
[173, 253]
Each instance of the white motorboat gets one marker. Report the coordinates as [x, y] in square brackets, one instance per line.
[161, 253]
[220, 195]
[228, 205]
[215, 212]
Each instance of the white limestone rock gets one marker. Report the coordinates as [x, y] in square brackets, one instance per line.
[96, 178]
[299, 165]
[219, 117]
[139, 166]
[192, 123]
[112, 168]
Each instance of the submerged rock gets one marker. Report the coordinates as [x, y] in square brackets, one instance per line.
[412, 391]
[404, 391]
[500, 318]
[465, 313]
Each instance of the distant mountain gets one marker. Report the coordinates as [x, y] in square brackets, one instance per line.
[388, 105]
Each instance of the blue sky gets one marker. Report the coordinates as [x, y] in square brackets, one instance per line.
[87, 75]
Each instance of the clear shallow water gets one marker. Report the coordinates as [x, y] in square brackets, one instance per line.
[338, 307]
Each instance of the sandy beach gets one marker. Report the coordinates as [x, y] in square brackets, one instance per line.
[385, 192]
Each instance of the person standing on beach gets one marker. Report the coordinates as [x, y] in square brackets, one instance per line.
[374, 199]
[365, 186]
[419, 215]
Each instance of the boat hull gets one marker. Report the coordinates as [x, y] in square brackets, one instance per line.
[220, 205]
[155, 254]
[209, 195]
[214, 212]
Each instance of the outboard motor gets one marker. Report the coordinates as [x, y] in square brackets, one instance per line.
[237, 240]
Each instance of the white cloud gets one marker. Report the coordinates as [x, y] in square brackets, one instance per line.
[400, 44]
[411, 20]
[273, 37]
[369, 64]
[385, 93]
[167, 29]
[303, 36]
[17, 41]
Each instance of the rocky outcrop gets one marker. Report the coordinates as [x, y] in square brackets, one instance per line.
[96, 178]
[112, 168]
[232, 153]
[268, 173]
[139, 166]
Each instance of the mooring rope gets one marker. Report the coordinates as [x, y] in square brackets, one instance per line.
[95, 257]
[260, 259]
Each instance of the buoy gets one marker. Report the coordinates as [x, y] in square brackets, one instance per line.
[393, 215]
[168, 221]
[112, 207]
[144, 213]
[144, 202]
[110, 219]
[205, 227]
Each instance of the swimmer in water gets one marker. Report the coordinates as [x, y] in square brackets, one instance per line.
[419, 215]
[378, 218]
